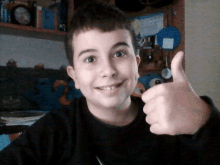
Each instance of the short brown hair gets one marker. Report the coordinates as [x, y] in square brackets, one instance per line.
[97, 15]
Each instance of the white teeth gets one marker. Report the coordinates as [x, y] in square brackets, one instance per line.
[108, 88]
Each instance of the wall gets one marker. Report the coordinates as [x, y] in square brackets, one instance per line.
[202, 47]
[202, 38]
[28, 52]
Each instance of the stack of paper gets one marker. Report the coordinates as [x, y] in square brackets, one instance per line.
[20, 117]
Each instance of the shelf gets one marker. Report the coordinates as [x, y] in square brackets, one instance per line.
[27, 31]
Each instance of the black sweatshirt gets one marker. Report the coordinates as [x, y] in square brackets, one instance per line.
[72, 136]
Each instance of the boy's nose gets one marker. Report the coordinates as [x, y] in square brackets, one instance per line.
[108, 69]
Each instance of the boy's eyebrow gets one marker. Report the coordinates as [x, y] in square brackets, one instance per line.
[87, 50]
[113, 47]
[120, 44]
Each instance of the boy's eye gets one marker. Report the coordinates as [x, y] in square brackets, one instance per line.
[120, 53]
[90, 59]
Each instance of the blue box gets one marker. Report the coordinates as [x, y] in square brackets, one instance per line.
[48, 19]
[61, 14]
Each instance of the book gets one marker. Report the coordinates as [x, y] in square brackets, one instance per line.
[49, 19]
[61, 14]
[39, 17]
[5, 12]
[34, 10]
[2, 7]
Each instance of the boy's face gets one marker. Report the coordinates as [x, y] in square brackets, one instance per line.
[105, 67]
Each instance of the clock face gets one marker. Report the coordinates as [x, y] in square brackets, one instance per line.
[22, 15]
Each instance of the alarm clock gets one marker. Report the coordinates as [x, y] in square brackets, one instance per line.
[21, 15]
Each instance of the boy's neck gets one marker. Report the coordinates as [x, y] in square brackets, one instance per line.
[117, 117]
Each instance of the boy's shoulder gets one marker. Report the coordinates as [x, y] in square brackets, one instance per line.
[60, 118]
[68, 111]
[76, 104]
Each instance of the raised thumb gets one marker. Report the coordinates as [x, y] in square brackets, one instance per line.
[177, 68]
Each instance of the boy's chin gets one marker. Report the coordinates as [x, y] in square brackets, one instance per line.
[114, 103]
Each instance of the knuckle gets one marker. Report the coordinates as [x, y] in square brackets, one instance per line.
[161, 100]
[143, 96]
[170, 129]
[162, 88]
[172, 132]
[145, 109]
[147, 119]
[152, 129]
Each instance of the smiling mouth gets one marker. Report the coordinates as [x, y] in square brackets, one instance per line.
[108, 88]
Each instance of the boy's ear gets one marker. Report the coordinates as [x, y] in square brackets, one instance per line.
[71, 72]
[138, 59]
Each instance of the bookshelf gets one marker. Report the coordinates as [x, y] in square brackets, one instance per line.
[27, 31]
[34, 32]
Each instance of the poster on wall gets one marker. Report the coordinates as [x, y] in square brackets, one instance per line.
[148, 25]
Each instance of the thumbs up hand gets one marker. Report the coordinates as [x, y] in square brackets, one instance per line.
[174, 108]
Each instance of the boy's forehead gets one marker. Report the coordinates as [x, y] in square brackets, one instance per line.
[98, 31]
[82, 38]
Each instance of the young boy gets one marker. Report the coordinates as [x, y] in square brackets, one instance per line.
[172, 125]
